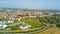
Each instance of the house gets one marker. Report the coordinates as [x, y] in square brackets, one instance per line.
[32, 16]
[10, 21]
[19, 18]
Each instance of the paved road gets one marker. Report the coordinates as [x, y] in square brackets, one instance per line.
[14, 24]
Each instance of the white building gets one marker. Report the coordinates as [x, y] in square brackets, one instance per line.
[24, 26]
[3, 24]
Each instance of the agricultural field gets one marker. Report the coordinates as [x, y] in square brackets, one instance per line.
[50, 31]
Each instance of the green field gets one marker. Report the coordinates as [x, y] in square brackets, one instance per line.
[34, 23]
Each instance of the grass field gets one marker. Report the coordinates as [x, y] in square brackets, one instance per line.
[34, 23]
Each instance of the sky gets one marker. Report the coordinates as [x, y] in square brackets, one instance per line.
[32, 4]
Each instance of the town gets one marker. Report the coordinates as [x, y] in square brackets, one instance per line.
[27, 20]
